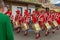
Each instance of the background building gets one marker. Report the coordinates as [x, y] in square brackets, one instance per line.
[31, 5]
[52, 5]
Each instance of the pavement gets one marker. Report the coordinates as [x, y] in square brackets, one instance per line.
[31, 36]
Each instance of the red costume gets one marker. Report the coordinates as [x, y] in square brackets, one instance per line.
[23, 20]
[34, 19]
[18, 20]
[8, 12]
[18, 15]
[27, 15]
[41, 18]
[49, 19]
[57, 15]
[51, 16]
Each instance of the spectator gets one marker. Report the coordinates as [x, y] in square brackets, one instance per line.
[6, 32]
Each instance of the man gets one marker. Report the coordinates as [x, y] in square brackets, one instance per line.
[25, 22]
[35, 25]
[17, 21]
[6, 32]
[58, 17]
[27, 15]
[41, 20]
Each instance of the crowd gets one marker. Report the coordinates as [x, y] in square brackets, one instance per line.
[37, 20]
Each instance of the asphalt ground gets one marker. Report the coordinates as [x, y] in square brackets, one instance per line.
[31, 36]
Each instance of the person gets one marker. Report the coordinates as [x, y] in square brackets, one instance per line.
[8, 12]
[27, 15]
[25, 20]
[41, 20]
[58, 17]
[17, 21]
[6, 32]
[35, 25]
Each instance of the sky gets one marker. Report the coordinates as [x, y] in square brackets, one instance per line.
[55, 1]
